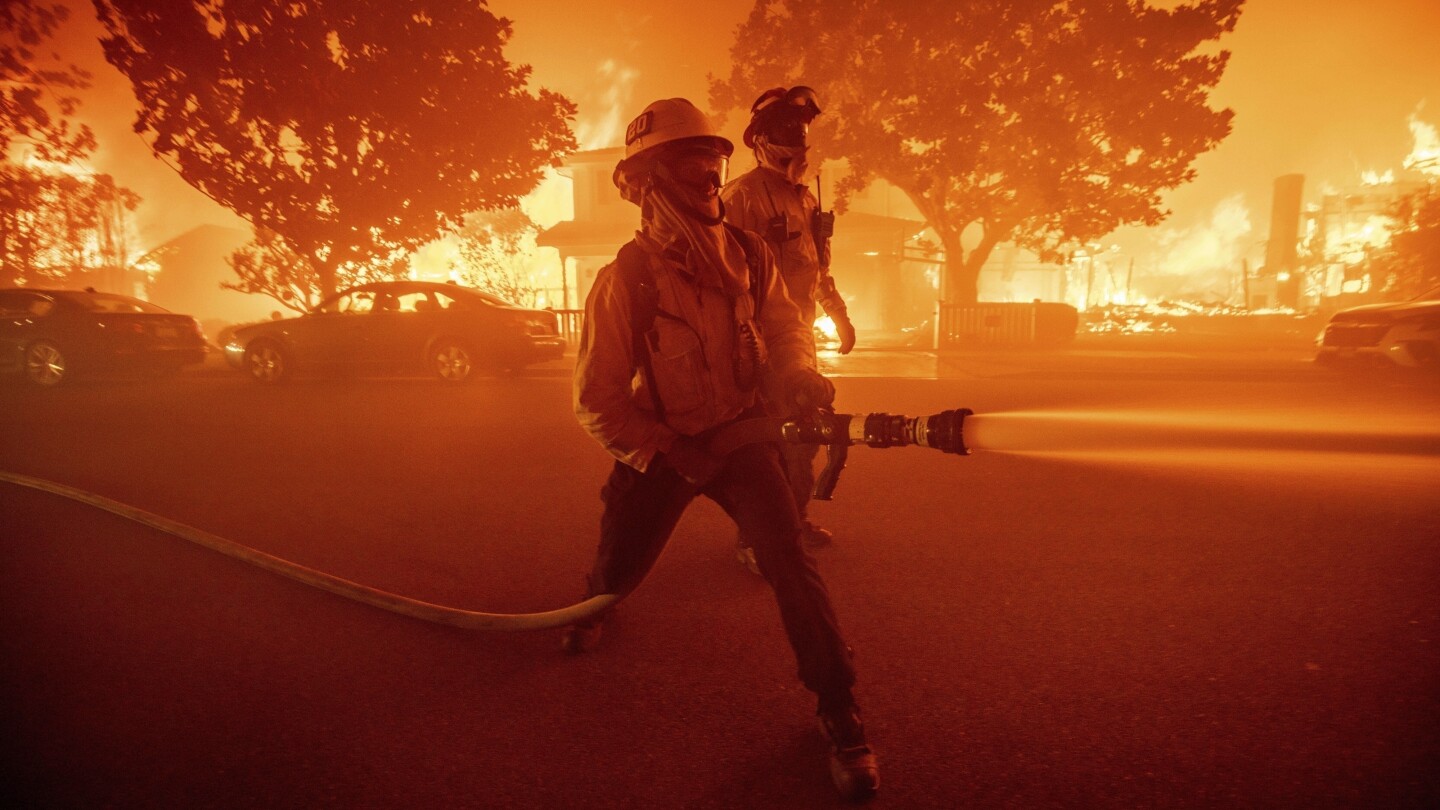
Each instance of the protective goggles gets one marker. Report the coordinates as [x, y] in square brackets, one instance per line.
[698, 168]
[799, 100]
[804, 98]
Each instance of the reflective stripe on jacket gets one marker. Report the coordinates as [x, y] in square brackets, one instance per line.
[693, 356]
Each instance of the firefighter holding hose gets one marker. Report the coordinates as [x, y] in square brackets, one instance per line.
[685, 333]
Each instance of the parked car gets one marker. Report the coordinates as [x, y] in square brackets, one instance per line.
[393, 327]
[49, 336]
[1404, 334]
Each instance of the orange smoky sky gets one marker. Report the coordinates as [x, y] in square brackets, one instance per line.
[1323, 88]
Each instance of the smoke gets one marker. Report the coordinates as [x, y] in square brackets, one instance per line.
[603, 114]
[603, 129]
[1204, 260]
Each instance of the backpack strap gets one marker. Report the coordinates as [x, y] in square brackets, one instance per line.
[753, 257]
[633, 264]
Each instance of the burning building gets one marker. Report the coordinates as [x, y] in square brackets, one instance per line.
[879, 262]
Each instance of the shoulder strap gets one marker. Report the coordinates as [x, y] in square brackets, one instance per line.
[753, 261]
[633, 264]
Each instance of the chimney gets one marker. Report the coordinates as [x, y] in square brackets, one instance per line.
[1281, 261]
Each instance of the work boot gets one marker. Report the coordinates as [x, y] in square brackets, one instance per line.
[581, 637]
[745, 554]
[813, 536]
[853, 767]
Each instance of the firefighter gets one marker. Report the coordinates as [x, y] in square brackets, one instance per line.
[774, 201]
[681, 333]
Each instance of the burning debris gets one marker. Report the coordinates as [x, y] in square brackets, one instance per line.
[1174, 317]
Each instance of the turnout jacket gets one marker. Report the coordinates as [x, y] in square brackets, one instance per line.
[760, 197]
[692, 350]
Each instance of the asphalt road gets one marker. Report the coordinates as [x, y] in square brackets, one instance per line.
[1168, 579]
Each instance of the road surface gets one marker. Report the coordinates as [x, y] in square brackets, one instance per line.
[1170, 579]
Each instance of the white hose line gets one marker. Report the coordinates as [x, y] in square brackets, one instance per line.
[439, 614]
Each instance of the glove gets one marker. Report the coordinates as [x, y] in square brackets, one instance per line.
[688, 457]
[846, 330]
[805, 388]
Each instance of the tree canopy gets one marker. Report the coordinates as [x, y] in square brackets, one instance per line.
[36, 101]
[494, 246]
[267, 266]
[357, 130]
[1041, 122]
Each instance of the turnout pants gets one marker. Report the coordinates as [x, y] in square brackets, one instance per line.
[800, 474]
[642, 509]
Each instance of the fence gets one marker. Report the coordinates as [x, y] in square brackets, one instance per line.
[1005, 324]
[571, 322]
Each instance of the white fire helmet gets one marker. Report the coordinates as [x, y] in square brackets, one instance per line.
[668, 121]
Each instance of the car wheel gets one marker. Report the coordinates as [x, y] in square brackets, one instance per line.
[452, 361]
[267, 362]
[45, 364]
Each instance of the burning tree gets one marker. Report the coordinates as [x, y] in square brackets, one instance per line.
[60, 223]
[1036, 122]
[356, 130]
[56, 218]
[1413, 255]
[493, 248]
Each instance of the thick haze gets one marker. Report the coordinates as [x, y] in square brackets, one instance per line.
[1325, 89]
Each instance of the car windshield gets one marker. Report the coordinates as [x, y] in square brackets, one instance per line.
[1432, 294]
[109, 302]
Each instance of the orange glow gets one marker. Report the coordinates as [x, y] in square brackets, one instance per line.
[1425, 157]
[610, 58]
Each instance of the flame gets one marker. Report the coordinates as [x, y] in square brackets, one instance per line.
[1355, 239]
[1425, 157]
[1370, 178]
[551, 201]
[436, 261]
[53, 167]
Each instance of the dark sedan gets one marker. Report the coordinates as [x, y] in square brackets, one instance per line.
[51, 335]
[396, 327]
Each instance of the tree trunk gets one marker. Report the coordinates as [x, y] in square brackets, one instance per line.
[324, 270]
[962, 275]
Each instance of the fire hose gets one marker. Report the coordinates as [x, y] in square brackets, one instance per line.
[943, 431]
